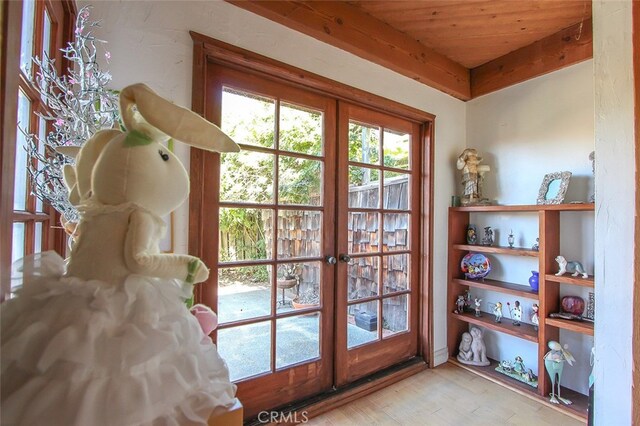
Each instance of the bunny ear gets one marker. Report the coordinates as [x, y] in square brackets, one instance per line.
[177, 122]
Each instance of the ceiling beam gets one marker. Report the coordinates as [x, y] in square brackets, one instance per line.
[348, 28]
[567, 47]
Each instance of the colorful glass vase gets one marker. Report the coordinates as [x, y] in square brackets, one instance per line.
[533, 280]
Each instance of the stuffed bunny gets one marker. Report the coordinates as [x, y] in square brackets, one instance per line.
[111, 341]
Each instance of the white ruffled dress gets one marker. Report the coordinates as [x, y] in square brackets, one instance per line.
[88, 352]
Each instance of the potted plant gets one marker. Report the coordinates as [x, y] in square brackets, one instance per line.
[308, 299]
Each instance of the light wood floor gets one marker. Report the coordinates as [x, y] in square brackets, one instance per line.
[447, 395]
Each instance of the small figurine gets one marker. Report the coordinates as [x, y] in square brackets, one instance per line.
[476, 302]
[472, 237]
[535, 319]
[460, 305]
[497, 311]
[516, 313]
[472, 349]
[511, 239]
[554, 364]
[574, 267]
[487, 240]
[464, 349]
[472, 177]
[518, 365]
[536, 246]
[517, 370]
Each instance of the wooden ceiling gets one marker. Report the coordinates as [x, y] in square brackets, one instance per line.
[465, 48]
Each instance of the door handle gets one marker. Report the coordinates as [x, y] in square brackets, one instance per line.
[330, 260]
[345, 258]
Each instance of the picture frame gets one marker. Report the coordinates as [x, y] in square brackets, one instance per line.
[553, 188]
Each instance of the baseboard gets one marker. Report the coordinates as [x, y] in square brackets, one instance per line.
[440, 356]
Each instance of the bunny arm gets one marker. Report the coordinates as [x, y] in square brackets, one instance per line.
[141, 257]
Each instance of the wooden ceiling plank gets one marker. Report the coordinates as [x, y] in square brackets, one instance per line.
[549, 54]
[347, 27]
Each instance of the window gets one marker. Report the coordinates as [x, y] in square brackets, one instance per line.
[35, 28]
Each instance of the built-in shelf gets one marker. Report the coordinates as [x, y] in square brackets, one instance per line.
[524, 331]
[584, 327]
[577, 410]
[516, 251]
[568, 279]
[500, 286]
[526, 208]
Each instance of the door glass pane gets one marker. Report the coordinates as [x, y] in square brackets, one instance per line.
[395, 315]
[300, 181]
[395, 273]
[364, 187]
[363, 232]
[362, 277]
[246, 349]
[362, 323]
[298, 286]
[46, 36]
[26, 42]
[248, 118]
[364, 143]
[247, 177]
[396, 191]
[299, 233]
[18, 243]
[20, 183]
[300, 130]
[297, 339]
[245, 234]
[42, 133]
[244, 292]
[396, 149]
[396, 232]
[38, 237]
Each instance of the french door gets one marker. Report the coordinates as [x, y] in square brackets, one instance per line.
[309, 232]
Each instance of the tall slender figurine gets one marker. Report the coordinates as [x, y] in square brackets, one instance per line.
[497, 311]
[511, 239]
[535, 318]
[476, 302]
[554, 364]
[472, 177]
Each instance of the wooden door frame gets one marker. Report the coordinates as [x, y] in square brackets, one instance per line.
[635, 383]
[208, 50]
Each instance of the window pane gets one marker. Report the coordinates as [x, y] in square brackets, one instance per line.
[362, 277]
[248, 118]
[247, 176]
[42, 133]
[395, 273]
[297, 339]
[300, 130]
[46, 36]
[396, 235]
[246, 349]
[245, 234]
[20, 184]
[299, 233]
[364, 187]
[300, 181]
[364, 143]
[396, 191]
[18, 244]
[38, 237]
[396, 149]
[362, 323]
[395, 315]
[244, 293]
[26, 42]
[363, 235]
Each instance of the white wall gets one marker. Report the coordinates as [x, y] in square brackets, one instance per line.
[523, 132]
[149, 42]
[614, 131]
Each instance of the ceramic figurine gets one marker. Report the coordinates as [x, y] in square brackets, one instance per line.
[517, 370]
[472, 350]
[460, 305]
[574, 267]
[472, 236]
[476, 302]
[472, 176]
[487, 240]
[536, 246]
[497, 311]
[535, 319]
[511, 239]
[516, 313]
[554, 364]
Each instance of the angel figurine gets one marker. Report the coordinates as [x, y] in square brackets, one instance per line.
[497, 311]
[554, 363]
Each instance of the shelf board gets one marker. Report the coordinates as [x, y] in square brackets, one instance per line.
[577, 410]
[524, 331]
[568, 279]
[526, 208]
[516, 251]
[584, 327]
[500, 286]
